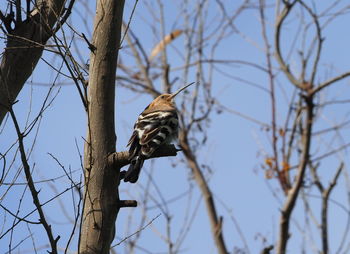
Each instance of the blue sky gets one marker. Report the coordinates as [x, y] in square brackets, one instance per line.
[235, 149]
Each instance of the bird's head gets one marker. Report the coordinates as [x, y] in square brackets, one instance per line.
[168, 98]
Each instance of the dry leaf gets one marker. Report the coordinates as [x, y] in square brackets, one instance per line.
[269, 161]
[281, 132]
[285, 166]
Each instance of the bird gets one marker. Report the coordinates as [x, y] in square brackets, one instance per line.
[157, 125]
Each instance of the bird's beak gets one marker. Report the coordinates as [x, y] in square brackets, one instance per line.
[178, 91]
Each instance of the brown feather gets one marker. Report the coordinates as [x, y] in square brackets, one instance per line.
[149, 135]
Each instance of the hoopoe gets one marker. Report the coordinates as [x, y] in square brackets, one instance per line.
[155, 126]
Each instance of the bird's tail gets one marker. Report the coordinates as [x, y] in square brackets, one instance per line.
[134, 170]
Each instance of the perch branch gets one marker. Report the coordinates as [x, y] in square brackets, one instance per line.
[121, 159]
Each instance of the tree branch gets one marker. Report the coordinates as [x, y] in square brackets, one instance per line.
[127, 203]
[121, 159]
[324, 210]
[34, 192]
[22, 52]
[6, 20]
[285, 68]
[318, 38]
[329, 82]
[292, 195]
[215, 222]
[64, 18]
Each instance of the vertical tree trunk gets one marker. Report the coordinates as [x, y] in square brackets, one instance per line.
[101, 197]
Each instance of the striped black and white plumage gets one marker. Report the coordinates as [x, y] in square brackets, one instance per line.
[156, 125]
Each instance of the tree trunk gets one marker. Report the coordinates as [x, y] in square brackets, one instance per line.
[25, 45]
[101, 197]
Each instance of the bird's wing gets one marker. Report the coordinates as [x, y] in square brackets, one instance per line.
[134, 145]
[149, 134]
[132, 138]
[152, 130]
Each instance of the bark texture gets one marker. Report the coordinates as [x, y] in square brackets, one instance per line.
[101, 199]
[25, 45]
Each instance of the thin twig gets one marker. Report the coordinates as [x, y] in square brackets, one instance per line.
[63, 20]
[329, 82]
[129, 22]
[138, 231]
[34, 210]
[34, 192]
[19, 218]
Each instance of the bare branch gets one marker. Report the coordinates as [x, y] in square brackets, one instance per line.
[324, 210]
[129, 22]
[18, 12]
[282, 174]
[138, 231]
[280, 19]
[67, 12]
[206, 192]
[34, 210]
[329, 82]
[267, 250]
[319, 44]
[34, 192]
[22, 53]
[292, 194]
[19, 218]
